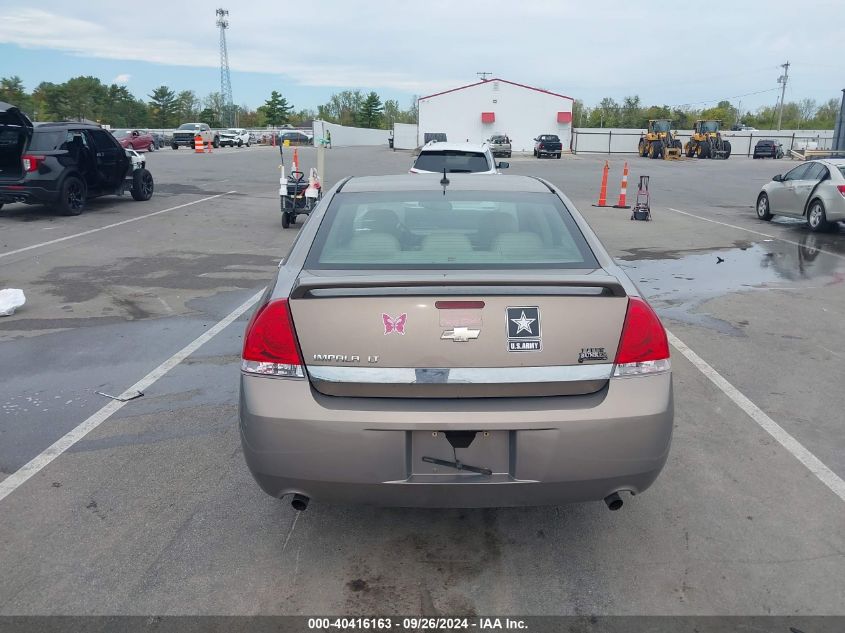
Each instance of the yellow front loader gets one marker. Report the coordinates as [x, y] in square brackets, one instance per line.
[658, 141]
[707, 142]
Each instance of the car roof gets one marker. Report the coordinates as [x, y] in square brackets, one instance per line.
[67, 124]
[836, 162]
[457, 182]
[443, 146]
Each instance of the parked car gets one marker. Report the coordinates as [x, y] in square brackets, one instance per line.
[491, 353]
[815, 191]
[741, 127]
[184, 135]
[547, 145]
[65, 164]
[500, 145]
[455, 158]
[234, 137]
[158, 139]
[296, 138]
[135, 139]
[768, 149]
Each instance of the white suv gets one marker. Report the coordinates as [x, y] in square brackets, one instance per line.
[456, 158]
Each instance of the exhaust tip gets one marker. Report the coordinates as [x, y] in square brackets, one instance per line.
[300, 502]
[614, 501]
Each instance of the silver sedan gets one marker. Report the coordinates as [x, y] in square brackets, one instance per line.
[814, 190]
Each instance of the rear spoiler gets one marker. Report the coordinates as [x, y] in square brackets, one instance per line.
[309, 285]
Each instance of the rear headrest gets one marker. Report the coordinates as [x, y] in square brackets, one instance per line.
[524, 244]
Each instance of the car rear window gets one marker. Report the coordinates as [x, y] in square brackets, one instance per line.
[46, 140]
[455, 230]
[454, 161]
[842, 169]
[551, 138]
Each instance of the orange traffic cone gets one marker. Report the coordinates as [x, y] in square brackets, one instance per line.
[198, 144]
[208, 146]
[603, 191]
[623, 191]
[295, 164]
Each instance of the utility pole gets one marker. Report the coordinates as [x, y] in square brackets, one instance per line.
[483, 76]
[782, 80]
[228, 114]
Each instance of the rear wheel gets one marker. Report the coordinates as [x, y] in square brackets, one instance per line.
[174, 146]
[240, 142]
[727, 148]
[816, 217]
[558, 155]
[763, 210]
[72, 196]
[142, 185]
[216, 142]
[288, 218]
[642, 148]
[151, 147]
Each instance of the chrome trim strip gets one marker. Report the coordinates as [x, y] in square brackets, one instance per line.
[459, 375]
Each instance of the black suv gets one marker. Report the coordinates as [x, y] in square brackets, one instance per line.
[64, 164]
[768, 149]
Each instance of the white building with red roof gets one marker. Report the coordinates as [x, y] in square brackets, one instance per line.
[477, 111]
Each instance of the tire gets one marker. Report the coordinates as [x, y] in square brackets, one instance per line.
[288, 219]
[558, 155]
[727, 147]
[816, 217]
[143, 185]
[152, 147]
[509, 155]
[764, 212]
[72, 196]
[240, 142]
[174, 146]
[247, 143]
[678, 145]
[655, 150]
[216, 142]
[690, 150]
[641, 148]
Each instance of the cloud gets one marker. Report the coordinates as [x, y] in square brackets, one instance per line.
[123, 78]
[567, 46]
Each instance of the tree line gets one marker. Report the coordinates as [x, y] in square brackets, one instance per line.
[89, 98]
[631, 113]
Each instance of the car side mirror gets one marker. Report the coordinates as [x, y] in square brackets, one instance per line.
[503, 165]
[777, 178]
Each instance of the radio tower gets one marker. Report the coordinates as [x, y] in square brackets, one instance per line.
[228, 113]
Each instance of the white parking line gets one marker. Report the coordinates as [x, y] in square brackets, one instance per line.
[28, 470]
[110, 226]
[796, 449]
[742, 228]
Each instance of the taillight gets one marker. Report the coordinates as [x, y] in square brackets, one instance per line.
[31, 163]
[270, 347]
[841, 189]
[643, 348]
[541, 146]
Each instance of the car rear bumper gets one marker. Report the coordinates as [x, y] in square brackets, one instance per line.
[27, 194]
[543, 451]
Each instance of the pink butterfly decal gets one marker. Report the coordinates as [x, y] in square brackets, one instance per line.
[394, 325]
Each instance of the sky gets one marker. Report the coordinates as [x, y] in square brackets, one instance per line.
[671, 52]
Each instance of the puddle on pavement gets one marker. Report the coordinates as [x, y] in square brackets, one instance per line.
[677, 286]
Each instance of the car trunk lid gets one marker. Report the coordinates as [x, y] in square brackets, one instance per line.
[15, 132]
[413, 336]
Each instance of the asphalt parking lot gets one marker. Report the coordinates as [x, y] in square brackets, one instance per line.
[154, 511]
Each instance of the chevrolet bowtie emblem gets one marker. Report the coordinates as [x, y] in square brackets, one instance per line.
[460, 335]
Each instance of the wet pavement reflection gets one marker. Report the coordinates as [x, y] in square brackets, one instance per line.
[678, 284]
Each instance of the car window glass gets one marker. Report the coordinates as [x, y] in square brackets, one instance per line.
[102, 139]
[817, 171]
[45, 141]
[458, 230]
[797, 173]
[455, 161]
[74, 138]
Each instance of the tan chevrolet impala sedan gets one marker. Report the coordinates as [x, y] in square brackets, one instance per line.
[453, 341]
